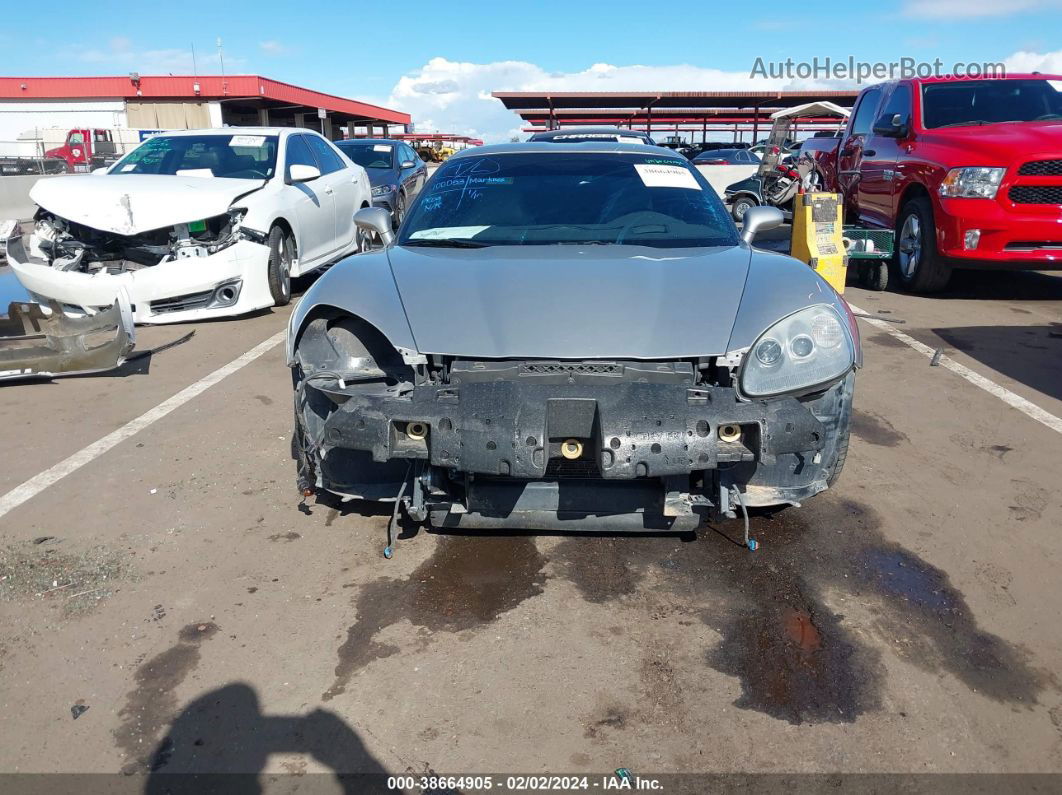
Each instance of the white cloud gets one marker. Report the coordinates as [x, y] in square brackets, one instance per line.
[455, 97]
[1046, 62]
[272, 47]
[959, 9]
[452, 96]
[121, 54]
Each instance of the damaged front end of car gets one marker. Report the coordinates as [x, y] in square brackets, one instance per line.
[69, 246]
[590, 445]
[180, 272]
[44, 342]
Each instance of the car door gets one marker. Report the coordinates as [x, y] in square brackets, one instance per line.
[877, 169]
[343, 181]
[408, 175]
[422, 169]
[901, 103]
[315, 207]
[850, 157]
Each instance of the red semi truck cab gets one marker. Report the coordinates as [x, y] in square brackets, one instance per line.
[967, 171]
[88, 147]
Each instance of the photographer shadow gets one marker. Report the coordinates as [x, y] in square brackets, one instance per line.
[221, 742]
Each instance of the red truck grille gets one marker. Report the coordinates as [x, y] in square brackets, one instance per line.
[1036, 194]
[1041, 168]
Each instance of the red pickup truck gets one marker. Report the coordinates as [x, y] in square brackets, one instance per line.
[967, 171]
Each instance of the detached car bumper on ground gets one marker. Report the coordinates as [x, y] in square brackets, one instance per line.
[578, 383]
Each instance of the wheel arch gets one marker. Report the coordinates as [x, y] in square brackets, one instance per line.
[288, 229]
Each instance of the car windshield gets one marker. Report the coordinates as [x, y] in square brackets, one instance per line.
[236, 156]
[369, 155]
[979, 102]
[569, 198]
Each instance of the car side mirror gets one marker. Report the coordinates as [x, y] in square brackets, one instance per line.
[299, 172]
[759, 219]
[375, 219]
[894, 126]
[408, 164]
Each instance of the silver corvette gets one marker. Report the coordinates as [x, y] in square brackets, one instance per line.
[571, 337]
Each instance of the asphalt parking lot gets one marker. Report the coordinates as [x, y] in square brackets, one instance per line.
[169, 582]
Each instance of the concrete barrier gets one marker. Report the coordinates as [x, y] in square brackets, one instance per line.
[14, 196]
[719, 177]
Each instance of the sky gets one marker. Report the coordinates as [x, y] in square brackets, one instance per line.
[440, 61]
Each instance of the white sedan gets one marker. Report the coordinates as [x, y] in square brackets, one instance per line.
[195, 224]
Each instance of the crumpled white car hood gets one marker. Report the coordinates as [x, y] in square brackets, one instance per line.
[128, 204]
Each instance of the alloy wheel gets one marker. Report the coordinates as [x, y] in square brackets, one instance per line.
[910, 245]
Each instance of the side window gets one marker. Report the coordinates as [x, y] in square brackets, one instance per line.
[899, 102]
[865, 114]
[408, 154]
[299, 153]
[327, 160]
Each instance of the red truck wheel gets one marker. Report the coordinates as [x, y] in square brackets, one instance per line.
[918, 264]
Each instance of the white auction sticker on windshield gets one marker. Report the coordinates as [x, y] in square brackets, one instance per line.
[247, 140]
[657, 176]
[381, 148]
[629, 139]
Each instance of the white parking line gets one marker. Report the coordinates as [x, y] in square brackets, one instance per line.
[991, 387]
[39, 483]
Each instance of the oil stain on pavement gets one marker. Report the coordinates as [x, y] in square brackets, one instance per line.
[468, 581]
[874, 429]
[151, 705]
[797, 659]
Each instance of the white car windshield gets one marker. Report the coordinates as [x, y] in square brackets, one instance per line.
[236, 156]
[569, 198]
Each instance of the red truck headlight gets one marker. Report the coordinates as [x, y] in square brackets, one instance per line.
[972, 182]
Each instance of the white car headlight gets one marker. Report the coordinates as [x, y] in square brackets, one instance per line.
[383, 190]
[806, 349]
[972, 182]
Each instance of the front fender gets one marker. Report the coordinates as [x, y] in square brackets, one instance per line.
[778, 285]
[361, 285]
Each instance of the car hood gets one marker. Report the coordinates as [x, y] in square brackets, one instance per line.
[571, 302]
[128, 204]
[1002, 143]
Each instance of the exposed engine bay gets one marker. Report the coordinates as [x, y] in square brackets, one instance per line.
[70, 246]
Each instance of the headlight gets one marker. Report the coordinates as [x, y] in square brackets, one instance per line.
[383, 190]
[974, 182]
[806, 349]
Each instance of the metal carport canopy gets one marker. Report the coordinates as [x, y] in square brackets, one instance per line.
[253, 89]
[634, 100]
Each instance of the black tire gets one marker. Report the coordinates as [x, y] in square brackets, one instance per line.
[874, 275]
[281, 253]
[400, 210]
[844, 430]
[918, 264]
[741, 205]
